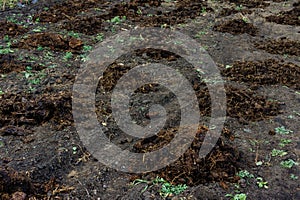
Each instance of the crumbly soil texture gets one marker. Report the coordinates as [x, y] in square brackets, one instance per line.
[255, 45]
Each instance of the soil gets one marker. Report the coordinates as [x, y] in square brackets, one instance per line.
[236, 26]
[255, 45]
[290, 17]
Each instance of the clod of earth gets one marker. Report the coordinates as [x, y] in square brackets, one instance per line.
[11, 29]
[52, 40]
[267, 72]
[280, 46]
[9, 63]
[236, 26]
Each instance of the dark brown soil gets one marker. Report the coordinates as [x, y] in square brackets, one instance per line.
[52, 40]
[11, 29]
[184, 10]
[288, 17]
[19, 110]
[9, 63]
[236, 26]
[280, 46]
[41, 155]
[251, 3]
[246, 106]
[220, 165]
[66, 10]
[231, 11]
[267, 72]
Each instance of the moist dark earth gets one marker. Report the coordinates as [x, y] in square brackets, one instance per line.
[255, 45]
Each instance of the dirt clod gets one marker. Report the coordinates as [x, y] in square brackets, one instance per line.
[11, 29]
[52, 40]
[280, 46]
[236, 26]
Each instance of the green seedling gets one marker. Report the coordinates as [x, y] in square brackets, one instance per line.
[37, 30]
[261, 183]
[245, 174]
[28, 72]
[284, 142]
[240, 196]
[35, 81]
[12, 18]
[139, 12]
[294, 177]
[99, 37]
[200, 34]
[6, 38]
[74, 150]
[282, 130]
[5, 50]
[87, 48]
[1, 92]
[73, 34]
[259, 163]
[245, 19]
[117, 19]
[68, 55]
[288, 163]
[239, 7]
[40, 48]
[167, 189]
[280, 153]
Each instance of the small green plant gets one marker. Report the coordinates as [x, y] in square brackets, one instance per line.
[280, 153]
[38, 29]
[74, 149]
[240, 196]
[99, 37]
[5, 50]
[282, 130]
[261, 183]
[284, 142]
[200, 33]
[167, 189]
[139, 12]
[288, 163]
[1, 92]
[12, 18]
[40, 48]
[245, 19]
[8, 3]
[28, 73]
[245, 174]
[73, 34]
[6, 38]
[87, 48]
[33, 78]
[68, 55]
[239, 7]
[294, 177]
[118, 19]
[35, 81]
